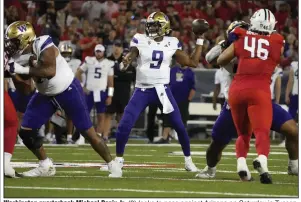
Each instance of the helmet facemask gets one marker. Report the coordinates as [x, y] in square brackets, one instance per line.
[154, 29]
[66, 55]
[11, 46]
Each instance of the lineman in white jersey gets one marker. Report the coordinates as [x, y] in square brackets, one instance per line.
[99, 83]
[222, 80]
[57, 88]
[292, 90]
[275, 85]
[154, 51]
[224, 129]
[66, 51]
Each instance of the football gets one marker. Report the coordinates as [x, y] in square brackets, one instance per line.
[199, 26]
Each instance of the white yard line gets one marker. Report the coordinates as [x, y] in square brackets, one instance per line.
[71, 171]
[172, 178]
[132, 162]
[128, 167]
[148, 191]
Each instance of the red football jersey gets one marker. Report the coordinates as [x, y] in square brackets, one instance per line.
[258, 55]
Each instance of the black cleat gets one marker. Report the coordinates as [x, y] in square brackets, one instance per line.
[265, 178]
[244, 176]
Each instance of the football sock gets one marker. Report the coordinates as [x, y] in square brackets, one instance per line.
[7, 158]
[10, 136]
[262, 142]
[242, 146]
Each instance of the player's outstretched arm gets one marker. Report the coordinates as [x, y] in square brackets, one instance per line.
[193, 60]
[226, 56]
[127, 60]
[46, 66]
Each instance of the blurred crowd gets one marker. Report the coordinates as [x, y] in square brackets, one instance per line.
[84, 24]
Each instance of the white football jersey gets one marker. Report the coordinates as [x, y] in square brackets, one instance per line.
[296, 77]
[154, 59]
[278, 72]
[97, 72]
[223, 77]
[64, 75]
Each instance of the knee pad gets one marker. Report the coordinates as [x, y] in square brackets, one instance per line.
[31, 139]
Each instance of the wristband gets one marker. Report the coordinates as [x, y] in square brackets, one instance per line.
[200, 42]
[110, 91]
[16, 68]
[82, 84]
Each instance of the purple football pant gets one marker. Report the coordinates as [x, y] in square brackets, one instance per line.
[224, 128]
[138, 102]
[41, 107]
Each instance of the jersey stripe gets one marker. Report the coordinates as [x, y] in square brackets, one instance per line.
[47, 42]
[135, 40]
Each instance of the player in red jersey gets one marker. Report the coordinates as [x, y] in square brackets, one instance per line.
[258, 50]
[10, 132]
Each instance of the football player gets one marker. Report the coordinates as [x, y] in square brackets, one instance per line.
[275, 85]
[57, 89]
[291, 93]
[99, 87]
[20, 97]
[67, 52]
[281, 121]
[224, 129]
[154, 51]
[10, 129]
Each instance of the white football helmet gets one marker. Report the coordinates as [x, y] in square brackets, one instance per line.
[263, 20]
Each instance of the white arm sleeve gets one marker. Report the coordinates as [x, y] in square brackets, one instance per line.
[213, 53]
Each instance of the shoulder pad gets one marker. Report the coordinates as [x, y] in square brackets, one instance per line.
[235, 34]
[137, 38]
[239, 31]
[41, 43]
[278, 37]
[175, 42]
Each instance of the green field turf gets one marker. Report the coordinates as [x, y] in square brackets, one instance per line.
[150, 171]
